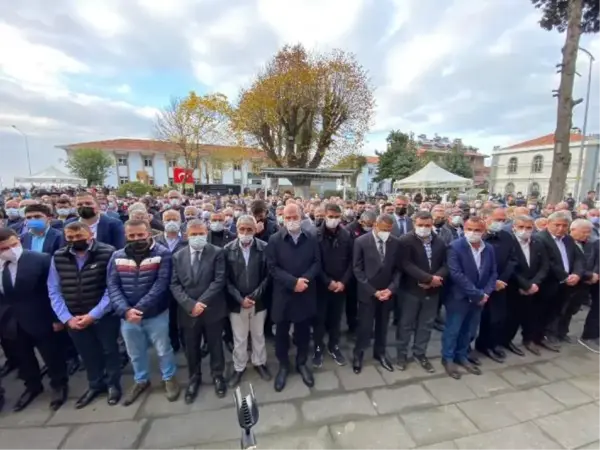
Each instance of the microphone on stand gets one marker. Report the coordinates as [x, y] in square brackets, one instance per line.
[247, 412]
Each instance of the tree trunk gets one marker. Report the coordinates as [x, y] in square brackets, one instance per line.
[301, 186]
[564, 115]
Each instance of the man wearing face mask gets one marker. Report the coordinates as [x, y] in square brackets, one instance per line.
[64, 211]
[376, 268]
[294, 260]
[21, 226]
[138, 282]
[198, 284]
[402, 224]
[218, 235]
[15, 219]
[106, 230]
[77, 288]
[594, 217]
[453, 229]
[40, 236]
[319, 216]
[523, 291]
[27, 320]
[176, 203]
[247, 287]
[229, 220]
[336, 271]
[424, 268]
[491, 331]
[472, 269]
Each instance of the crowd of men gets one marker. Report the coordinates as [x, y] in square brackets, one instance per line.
[93, 282]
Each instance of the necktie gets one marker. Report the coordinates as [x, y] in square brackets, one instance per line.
[196, 265]
[7, 283]
[381, 249]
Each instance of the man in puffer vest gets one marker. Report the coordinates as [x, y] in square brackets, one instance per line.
[138, 281]
[77, 289]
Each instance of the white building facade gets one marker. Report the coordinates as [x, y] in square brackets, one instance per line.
[365, 182]
[526, 167]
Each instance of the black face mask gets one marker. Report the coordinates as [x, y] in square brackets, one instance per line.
[80, 245]
[439, 222]
[401, 211]
[312, 216]
[86, 212]
[319, 222]
[139, 245]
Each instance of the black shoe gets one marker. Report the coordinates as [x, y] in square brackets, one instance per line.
[549, 345]
[565, 339]
[490, 354]
[357, 363]
[192, 389]
[114, 396]
[337, 355]
[317, 359]
[7, 368]
[425, 364]
[532, 347]
[451, 369]
[471, 368]
[235, 378]
[385, 362]
[306, 374]
[220, 386]
[58, 397]
[402, 363]
[499, 352]
[26, 398]
[264, 372]
[88, 397]
[516, 350]
[72, 366]
[472, 357]
[281, 378]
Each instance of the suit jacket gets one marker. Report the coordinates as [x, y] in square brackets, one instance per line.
[535, 272]
[227, 238]
[162, 240]
[557, 273]
[469, 284]
[109, 231]
[370, 272]
[29, 306]
[208, 287]
[590, 256]
[415, 264]
[396, 231]
[53, 241]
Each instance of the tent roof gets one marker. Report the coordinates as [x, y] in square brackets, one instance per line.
[432, 175]
[53, 172]
[49, 175]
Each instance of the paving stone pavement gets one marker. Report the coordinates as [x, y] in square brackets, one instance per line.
[549, 401]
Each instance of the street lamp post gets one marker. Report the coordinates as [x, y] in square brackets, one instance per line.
[584, 130]
[26, 147]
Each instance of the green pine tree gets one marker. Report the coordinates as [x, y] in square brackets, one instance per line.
[400, 160]
[457, 162]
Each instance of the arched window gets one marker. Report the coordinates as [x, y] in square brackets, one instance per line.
[512, 165]
[537, 165]
[534, 189]
[509, 188]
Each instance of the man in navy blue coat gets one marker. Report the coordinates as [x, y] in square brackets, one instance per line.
[106, 230]
[472, 270]
[26, 320]
[40, 237]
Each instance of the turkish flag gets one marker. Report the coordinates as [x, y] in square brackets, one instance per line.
[181, 175]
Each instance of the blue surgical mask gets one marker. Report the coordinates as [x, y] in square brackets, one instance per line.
[36, 224]
[595, 220]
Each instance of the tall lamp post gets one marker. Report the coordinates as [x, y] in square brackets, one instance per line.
[584, 130]
[26, 146]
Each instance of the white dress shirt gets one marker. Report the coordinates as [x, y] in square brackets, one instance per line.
[477, 254]
[526, 250]
[377, 240]
[246, 252]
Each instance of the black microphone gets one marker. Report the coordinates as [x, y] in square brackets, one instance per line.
[247, 411]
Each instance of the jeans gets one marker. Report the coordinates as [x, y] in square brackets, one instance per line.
[462, 322]
[138, 338]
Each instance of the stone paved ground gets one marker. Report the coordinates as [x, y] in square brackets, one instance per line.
[531, 402]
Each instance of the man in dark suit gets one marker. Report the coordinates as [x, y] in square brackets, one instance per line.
[566, 269]
[294, 260]
[523, 291]
[423, 263]
[217, 234]
[106, 230]
[41, 237]
[403, 223]
[198, 283]
[472, 270]
[26, 320]
[174, 241]
[376, 268]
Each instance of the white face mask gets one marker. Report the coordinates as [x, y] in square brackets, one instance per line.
[383, 235]
[456, 221]
[473, 236]
[332, 223]
[423, 231]
[12, 254]
[293, 226]
[237, 214]
[172, 226]
[246, 239]
[495, 227]
[197, 242]
[175, 202]
[216, 226]
[523, 235]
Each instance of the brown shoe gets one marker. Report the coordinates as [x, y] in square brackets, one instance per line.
[471, 368]
[451, 370]
[172, 389]
[136, 390]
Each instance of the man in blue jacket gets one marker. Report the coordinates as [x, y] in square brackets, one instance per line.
[40, 237]
[472, 270]
[138, 285]
[106, 230]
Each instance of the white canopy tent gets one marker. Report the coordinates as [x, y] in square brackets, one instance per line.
[432, 176]
[50, 177]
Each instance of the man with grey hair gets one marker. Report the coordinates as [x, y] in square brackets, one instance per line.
[247, 286]
[566, 268]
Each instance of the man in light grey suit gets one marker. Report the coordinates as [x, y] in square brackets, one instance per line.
[198, 284]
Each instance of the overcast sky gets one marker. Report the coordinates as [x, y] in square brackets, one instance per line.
[83, 70]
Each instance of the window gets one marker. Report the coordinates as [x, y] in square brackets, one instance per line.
[237, 181]
[147, 161]
[172, 163]
[534, 189]
[122, 160]
[372, 171]
[171, 181]
[510, 188]
[151, 181]
[512, 166]
[123, 180]
[537, 165]
[237, 166]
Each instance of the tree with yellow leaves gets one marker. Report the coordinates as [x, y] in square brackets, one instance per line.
[306, 109]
